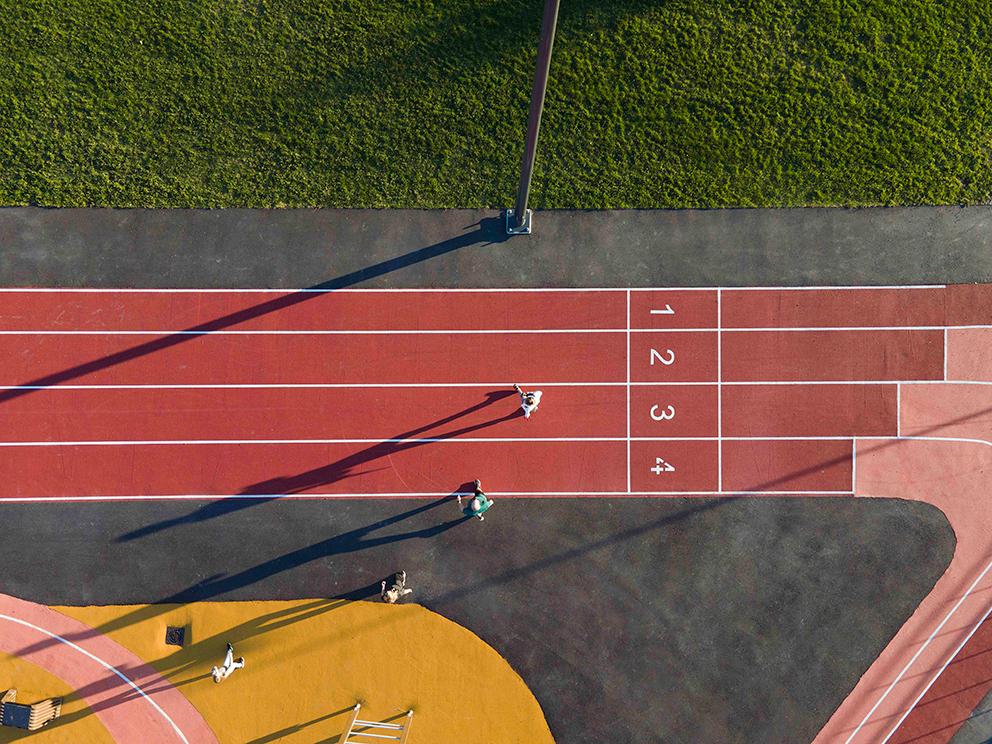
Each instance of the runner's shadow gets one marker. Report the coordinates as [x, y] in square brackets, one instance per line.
[346, 467]
[487, 232]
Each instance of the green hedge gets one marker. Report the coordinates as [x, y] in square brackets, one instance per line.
[370, 103]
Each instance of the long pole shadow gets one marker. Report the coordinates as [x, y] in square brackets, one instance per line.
[488, 231]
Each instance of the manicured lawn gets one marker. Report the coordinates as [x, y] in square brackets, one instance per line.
[412, 103]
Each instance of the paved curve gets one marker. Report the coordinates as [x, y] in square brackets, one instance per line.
[132, 700]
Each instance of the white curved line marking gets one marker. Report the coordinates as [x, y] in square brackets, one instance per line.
[940, 625]
[105, 665]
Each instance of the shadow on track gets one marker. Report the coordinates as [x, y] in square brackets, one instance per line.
[346, 467]
[487, 232]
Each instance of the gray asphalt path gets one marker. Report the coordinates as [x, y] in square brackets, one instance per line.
[452, 248]
[632, 620]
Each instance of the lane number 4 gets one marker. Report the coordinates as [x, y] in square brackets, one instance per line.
[661, 466]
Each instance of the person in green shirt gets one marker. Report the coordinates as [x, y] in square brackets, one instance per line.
[479, 504]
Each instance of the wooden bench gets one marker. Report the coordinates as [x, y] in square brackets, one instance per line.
[31, 717]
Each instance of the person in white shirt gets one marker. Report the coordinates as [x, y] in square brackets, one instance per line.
[528, 401]
[225, 671]
[397, 588]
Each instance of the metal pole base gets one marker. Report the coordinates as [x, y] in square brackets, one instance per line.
[525, 226]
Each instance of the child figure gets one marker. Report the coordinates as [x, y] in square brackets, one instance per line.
[397, 588]
[223, 672]
[479, 504]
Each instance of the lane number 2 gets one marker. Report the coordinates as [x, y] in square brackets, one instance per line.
[667, 415]
[667, 311]
[668, 358]
[660, 466]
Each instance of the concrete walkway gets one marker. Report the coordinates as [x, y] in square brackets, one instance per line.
[450, 248]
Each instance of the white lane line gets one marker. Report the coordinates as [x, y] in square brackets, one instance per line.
[404, 494]
[188, 442]
[628, 390]
[308, 385]
[109, 667]
[807, 329]
[424, 440]
[719, 391]
[917, 655]
[414, 385]
[321, 332]
[942, 668]
[854, 466]
[945, 354]
[471, 331]
[403, 290]
[942, 623]
[899, 409]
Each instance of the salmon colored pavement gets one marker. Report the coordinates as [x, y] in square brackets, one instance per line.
[133, 701]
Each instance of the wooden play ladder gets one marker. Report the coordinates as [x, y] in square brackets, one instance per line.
[400, 731]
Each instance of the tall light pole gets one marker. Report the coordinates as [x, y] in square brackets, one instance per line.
[518, 219]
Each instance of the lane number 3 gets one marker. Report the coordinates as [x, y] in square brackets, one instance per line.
[666, 415]
[668, 358]
[660, 466]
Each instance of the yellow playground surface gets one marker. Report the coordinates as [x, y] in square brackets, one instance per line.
[307, 663]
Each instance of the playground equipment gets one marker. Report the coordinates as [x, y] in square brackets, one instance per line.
[399, 732]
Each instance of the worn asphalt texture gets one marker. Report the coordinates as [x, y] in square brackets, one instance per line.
[452, 248]
[676, 620]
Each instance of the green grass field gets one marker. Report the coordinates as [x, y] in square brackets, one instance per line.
[371, 103]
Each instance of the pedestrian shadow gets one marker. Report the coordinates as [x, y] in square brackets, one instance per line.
[346, 467]
[193, 655]
[487, 231]
[351, 541]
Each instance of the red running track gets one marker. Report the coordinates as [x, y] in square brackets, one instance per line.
[180, 394]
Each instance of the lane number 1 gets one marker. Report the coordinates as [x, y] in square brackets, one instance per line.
[660, 466]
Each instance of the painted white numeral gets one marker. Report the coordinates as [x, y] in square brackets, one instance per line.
[667, 311]
[667, 358]
[660, 466]
[663, 416]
